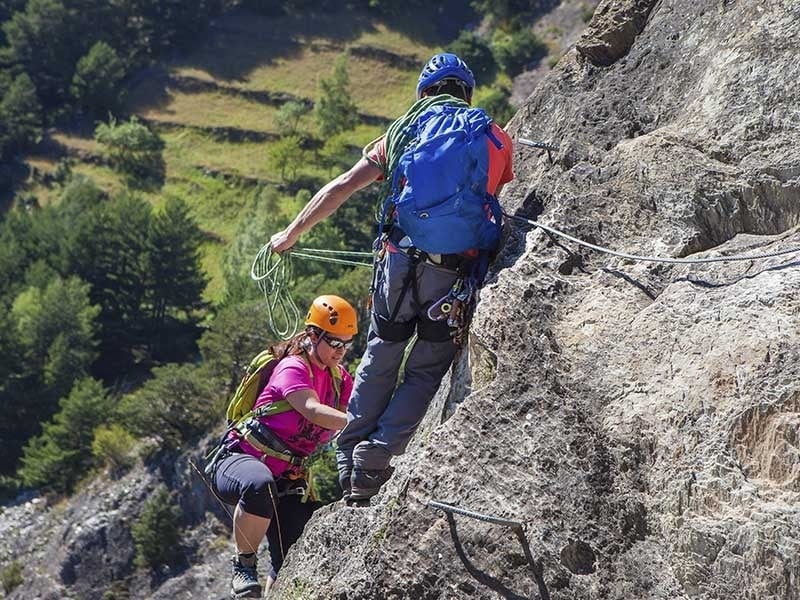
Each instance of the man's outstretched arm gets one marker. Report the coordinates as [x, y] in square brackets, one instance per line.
[330, 197]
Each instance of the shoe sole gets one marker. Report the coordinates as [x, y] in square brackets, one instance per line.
[357, 502]
[251, 593]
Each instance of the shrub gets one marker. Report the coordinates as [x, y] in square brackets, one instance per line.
[61, 454]
[112, 446]
[288, 116]
[494, 100]
[11, 576]
[477, 54]
[587, 12]
[286, 156]
[516, 48]
[133, 150]
[96, 83]
[176, 406]
[155, 534]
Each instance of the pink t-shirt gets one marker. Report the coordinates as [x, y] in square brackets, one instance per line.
[299, 434]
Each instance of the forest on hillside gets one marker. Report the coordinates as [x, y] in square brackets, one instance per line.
[126, 309]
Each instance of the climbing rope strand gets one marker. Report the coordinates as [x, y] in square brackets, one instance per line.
[332, 252]
[337, 261]
[661, 259]
[273, 273]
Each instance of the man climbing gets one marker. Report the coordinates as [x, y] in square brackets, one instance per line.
[445, 163]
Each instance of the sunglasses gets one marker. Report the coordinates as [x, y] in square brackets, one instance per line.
[336, 343]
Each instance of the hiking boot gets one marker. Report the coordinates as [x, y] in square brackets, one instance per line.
[365, 483]
[344, 482]
[244, 583]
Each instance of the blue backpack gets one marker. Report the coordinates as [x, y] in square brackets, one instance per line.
[439, 183]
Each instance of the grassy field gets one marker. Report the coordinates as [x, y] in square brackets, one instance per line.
[218, 132]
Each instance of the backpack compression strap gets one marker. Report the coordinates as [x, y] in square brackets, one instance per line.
[399, 134]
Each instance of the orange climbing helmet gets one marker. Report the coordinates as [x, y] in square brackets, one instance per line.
[334, 315]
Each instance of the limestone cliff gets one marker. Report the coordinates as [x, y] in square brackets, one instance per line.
[641, 419]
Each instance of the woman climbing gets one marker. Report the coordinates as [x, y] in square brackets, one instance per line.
[262, 464]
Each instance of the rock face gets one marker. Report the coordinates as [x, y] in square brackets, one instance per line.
[641, 419]
[83, 548]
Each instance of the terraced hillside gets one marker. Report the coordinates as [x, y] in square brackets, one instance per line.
[216, 108]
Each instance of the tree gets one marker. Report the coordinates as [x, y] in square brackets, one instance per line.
[285, 156]
[132, 149]
[96, 83]
[476, 53]
[233, 338]
[63, 452]
[516, 48]
[155, 535]
[108, 250]
[175, 277]
[56, 329]
[289, 114]
[495, 101]
[43, 40]
[511, 11]
[177, 405]
[337, 153]
[20, 116]
[335, 110]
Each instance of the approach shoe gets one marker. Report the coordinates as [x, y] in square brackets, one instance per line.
[244, 583]
[344, 483]
[365, 483]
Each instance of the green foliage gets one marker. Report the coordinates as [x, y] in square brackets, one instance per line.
[44, 42]
[112, 447]
[20, 116]
[133, 150]
[176, 406]
[515, 48]
[234, 337]
[96, 83]
[587, 12]
[324, 476]
[287, 119]
[472, 48]
[176, 281]
[108, 250]
[11, 576]
[512, 11]
[335, 110]
[264, 217]
[62, 453]
[56, 329]
[156, 535]
[80, 195]
[338, 153]
[495, 101]
[286, 156]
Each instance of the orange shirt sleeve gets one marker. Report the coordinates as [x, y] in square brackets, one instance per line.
[501, 169]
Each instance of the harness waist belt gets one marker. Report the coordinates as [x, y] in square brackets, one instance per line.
[260, 437]
[403, 243]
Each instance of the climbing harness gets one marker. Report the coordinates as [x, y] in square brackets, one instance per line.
[274, 274]
[660, 259]
[516, 526]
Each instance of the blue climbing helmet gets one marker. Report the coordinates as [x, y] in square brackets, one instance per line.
[444, 66]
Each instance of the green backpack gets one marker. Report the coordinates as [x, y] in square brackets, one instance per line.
[255, 379]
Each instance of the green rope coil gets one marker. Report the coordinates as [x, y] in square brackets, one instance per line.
[274, 276]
